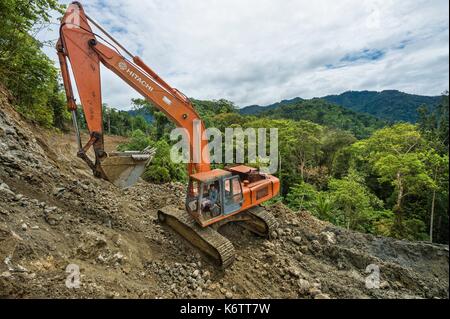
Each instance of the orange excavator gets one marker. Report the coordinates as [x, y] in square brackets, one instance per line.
[214, 196]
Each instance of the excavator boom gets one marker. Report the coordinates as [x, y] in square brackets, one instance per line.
[81, 46]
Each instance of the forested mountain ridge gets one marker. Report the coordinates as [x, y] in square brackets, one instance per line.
[255, 109]
[390, 105]
[324, 113]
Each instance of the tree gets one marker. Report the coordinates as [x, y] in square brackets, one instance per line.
[326, 114]
[287, 141]
[434, 124]
[161, 169]
[397, 156]
[24, 69]
[353, 202]
[138, 142]
[438, 165]
[301, 196]
[161, 123]
[307, 150]
[332, 142]
[57, 102]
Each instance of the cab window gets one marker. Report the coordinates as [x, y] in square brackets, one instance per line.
[193, 195]
[233, 191]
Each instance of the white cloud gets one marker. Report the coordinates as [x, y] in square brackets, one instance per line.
[262, 51]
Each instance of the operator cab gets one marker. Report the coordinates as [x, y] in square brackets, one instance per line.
[213, 195]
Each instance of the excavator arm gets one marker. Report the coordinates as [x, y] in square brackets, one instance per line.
[86, 50]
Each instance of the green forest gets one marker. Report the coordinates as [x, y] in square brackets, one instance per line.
[355, 170]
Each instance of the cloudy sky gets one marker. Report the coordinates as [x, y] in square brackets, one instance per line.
[263, 51]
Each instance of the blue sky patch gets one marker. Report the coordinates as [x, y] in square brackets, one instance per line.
[366, 55]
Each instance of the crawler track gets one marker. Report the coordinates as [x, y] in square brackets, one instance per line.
[206, 239]
[260, 221]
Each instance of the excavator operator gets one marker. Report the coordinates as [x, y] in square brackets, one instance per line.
[209, 202]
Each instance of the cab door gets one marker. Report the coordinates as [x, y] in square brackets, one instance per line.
[232, 194]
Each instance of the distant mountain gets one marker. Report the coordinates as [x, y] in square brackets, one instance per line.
[327, 114]
[255, 109]
[390, 105]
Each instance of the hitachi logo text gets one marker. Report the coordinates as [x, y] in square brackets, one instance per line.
[139, 79]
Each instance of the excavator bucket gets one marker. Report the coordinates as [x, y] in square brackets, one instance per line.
[123, 169]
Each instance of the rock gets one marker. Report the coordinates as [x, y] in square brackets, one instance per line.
[4, 188]
[322, 296]
[272, 256]
[126, 270]
[14, 235]
[316, 246]
[317, 285]
[304, 249]
[274, 235]
[18, 197]
[48, 209]
[4, 185]
[294, 272]
[229, 295]
[297, 240]
[196, 273]
[24, 226]
[206, 274]
[101, 258]
[384, 285]
[212, 286]
[328, 237]
[51, 216]
[341, 265]
[314, 291]
[20, 268]
[117, 239]
[118, 257]
[29, 276]
[298, 255]
[268, 244]
[58, 191]
[303, 285]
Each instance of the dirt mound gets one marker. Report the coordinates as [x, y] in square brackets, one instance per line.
[56, 218]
